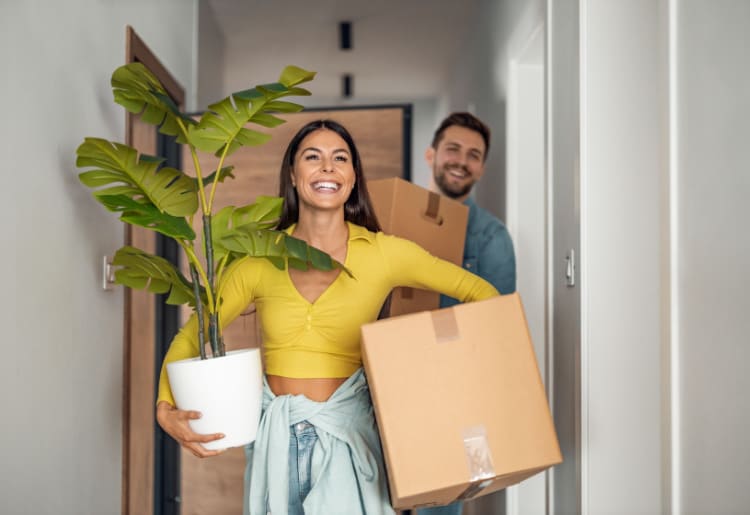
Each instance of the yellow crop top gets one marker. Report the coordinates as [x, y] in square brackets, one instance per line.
[322, 339]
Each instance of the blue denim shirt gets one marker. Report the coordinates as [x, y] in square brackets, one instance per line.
[488, 251]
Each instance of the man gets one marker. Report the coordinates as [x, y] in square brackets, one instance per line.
[457, 157]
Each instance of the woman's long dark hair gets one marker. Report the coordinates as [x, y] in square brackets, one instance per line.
[358, 207]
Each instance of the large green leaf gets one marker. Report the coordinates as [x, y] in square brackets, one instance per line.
[225, 172]
[137, 90]
[265, 209]
[262, 214]
[257, 243]
[146, 215]
[140, 270]
[222, 127]
[280, 248]
[280, 106]
[293, 75]
[221, 225]
[138, 177]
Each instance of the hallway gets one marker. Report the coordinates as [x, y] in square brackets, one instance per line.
[627, 198]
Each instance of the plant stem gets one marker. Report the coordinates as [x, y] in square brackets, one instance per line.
[199, 311]
[219, 273]
[213, 320]
[196, 163]
[213, 335]
[196, 262]
[218, 174]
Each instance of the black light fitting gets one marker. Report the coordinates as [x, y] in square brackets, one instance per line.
[345, 35]
[347, 85]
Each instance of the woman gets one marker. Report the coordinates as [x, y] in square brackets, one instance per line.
[315, 394]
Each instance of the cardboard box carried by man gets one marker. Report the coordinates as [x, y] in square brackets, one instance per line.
[435, 222]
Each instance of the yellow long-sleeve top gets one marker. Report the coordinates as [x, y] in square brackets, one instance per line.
[322, 339]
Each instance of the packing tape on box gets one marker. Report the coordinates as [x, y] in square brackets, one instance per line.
[444, 324]
[432, 211]
[478, 459]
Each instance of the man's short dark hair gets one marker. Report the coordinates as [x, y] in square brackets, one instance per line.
[468, 121]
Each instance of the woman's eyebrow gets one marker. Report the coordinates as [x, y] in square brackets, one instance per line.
[316, 149]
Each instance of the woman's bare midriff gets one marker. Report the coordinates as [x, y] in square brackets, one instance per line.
[315, 389]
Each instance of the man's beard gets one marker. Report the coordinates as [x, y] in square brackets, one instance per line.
[452, 190]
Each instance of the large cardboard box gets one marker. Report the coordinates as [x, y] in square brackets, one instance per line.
[435, 222]
[459, 401]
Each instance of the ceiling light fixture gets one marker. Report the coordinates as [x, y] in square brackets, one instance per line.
[347, 85]
[345, 35]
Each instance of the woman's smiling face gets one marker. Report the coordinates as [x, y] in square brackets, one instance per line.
[323, 172]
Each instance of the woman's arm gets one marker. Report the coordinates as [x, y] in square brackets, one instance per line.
[238, 291]
[410, 265]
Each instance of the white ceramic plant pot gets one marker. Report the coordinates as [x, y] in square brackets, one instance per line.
[228, 391]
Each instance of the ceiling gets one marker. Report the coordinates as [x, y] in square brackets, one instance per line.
[402, 49]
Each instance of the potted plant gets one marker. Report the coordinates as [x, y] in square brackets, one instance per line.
[167, 200]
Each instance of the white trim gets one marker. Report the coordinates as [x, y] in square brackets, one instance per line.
[549, 349]
[674, 314]
[583, 486]
[511, 142]
[512, 501]
[525, 71]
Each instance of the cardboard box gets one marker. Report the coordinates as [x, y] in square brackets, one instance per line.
[459, 401]
[435, 222]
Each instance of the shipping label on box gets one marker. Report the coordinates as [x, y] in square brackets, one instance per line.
[435, 222]
[459, 401]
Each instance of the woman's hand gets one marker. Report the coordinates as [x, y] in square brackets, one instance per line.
[175, 422]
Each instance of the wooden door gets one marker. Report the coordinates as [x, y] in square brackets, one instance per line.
[382, 135]
[139, 376]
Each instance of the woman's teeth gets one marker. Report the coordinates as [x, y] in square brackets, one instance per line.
[324, 185]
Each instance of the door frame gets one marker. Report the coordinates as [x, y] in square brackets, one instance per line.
[527, 216]
[140, 335]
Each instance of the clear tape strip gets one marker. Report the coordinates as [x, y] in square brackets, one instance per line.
[478, 460]
[478, 454]
[445, 325]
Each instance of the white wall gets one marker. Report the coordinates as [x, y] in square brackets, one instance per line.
[563, 158]
[665, 101]
[622, 158]
[209, 69]
[61, 375]
[424, 122]
[479, 82]
[712, 254]
[526, 219]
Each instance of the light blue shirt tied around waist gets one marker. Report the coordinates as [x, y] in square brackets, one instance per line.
[348, 475]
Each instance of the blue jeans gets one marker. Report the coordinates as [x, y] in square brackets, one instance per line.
[302, 440]
[451, 509]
